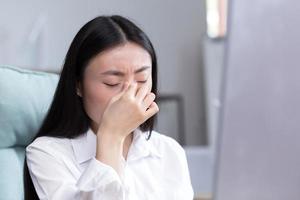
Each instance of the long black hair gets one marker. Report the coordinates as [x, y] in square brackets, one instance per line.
[66, 117]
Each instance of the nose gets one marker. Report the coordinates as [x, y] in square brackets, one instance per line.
[131, 81]
[134, 81]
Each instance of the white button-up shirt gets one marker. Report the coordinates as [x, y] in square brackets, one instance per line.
[66, 169]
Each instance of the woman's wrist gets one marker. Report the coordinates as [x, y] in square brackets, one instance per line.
[110, 154]
[109, 143]
[110, 135]
[110, 149]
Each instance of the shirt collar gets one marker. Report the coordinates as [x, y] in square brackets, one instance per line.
[141, 147]
[84, 146]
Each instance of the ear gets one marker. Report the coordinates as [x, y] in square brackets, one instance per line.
[79, 89]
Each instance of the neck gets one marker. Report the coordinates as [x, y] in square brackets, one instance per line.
[127, 144]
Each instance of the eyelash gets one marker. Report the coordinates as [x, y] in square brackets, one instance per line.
[114, 85]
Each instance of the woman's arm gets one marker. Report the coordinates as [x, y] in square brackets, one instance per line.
[125, 112]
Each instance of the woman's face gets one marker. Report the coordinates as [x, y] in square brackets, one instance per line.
[106, 74]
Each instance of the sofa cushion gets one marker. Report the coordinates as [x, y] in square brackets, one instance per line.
[11, 173]
[25, 97]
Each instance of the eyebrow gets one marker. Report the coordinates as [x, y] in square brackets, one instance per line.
[118, 73]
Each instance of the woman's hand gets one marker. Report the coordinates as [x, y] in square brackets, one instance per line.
[127, 110]
[124, 113]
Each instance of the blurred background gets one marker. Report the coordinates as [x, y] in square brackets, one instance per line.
[189, 40]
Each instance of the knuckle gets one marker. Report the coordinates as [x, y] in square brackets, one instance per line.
[156, 108]
[152, 95]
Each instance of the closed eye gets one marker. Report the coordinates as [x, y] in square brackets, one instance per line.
[142, 81]
[111, 85]
[114, 85]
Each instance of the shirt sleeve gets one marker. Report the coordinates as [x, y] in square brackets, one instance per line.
[54, 179]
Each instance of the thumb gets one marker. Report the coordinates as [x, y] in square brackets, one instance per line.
[124, 89]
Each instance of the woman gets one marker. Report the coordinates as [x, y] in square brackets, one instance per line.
[96, 141]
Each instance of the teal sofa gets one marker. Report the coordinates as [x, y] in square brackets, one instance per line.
[25, 96]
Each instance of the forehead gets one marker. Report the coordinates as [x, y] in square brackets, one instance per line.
[126, 57]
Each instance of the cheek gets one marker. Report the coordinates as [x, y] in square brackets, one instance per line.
[95, 100]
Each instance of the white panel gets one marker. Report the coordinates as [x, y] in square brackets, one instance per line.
[260, 141]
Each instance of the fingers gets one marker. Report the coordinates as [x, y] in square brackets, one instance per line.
[125, 87]
[148, 101]
[153, 109]
[119, 95]
[131, 91]
[142, 92]
[140, 96]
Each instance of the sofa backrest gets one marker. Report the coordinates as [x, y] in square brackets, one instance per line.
[25, 96]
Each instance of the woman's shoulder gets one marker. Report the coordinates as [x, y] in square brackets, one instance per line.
[50, 145]
[165, 144]
[48, 141]
[159, 137]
